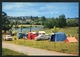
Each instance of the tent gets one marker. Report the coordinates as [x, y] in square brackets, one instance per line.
[59, 36]
[71, 39]
[31, 35]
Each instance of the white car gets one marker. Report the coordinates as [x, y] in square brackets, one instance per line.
[8, 37]
[42, 37]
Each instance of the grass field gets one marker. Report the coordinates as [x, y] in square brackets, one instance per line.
[71, 48]
[67, 30]
[7, 52]
[27, 26]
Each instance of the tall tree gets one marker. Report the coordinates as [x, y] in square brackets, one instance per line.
[5, 22]
[62, 21]
[43, 19]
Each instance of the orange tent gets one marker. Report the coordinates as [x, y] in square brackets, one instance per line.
[71, 39]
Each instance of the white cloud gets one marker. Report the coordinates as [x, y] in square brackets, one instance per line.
[12, 6]
[17, 5]
[8, 7]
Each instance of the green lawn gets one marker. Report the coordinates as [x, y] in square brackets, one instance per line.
[67, 30]
[7, 52]
[27, 26]
[71, 48]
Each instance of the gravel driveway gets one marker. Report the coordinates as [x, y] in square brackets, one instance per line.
[32, 51]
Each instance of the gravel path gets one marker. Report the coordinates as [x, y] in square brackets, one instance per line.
[32, 51]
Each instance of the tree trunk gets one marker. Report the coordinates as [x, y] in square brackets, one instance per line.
[4, 31]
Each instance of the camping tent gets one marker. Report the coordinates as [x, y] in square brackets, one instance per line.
[59, 36]
[71, 39]
[31, 35]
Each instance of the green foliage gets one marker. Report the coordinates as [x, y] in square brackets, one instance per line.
[62, 21]
[37, 23]
[14, 32]
[6, 24]
[43, 18]
[72, 22]
[49, 23]
[58, 22]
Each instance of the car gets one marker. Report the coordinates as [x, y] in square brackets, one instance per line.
[8, 38]
[20, 35]
[42, 37]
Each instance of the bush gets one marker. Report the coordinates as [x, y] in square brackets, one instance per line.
[72, 22]
[49, 23]
[59, 22]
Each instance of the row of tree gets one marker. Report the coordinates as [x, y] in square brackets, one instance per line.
[61, 21]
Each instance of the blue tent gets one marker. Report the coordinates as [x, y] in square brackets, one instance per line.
[59, 36]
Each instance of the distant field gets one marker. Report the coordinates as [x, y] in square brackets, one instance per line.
[7, 52]
[29, 25]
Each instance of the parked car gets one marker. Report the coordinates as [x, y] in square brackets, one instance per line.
[20, 35]
[42, 37]
[8, 37]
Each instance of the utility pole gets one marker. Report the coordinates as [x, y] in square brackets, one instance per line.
[21, 24]
[30, 23]
[30, 26]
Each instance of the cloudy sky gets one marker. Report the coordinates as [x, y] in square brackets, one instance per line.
[47, 9]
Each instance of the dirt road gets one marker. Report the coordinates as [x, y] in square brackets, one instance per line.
[32, 51]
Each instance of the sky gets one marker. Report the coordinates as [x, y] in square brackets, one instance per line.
[47, 9]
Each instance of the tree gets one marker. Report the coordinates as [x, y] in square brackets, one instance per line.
[62, 21]
[58, 22]
[5, 22]
[43, 19]
[16, 24]
[72, 22]
[49, 23]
